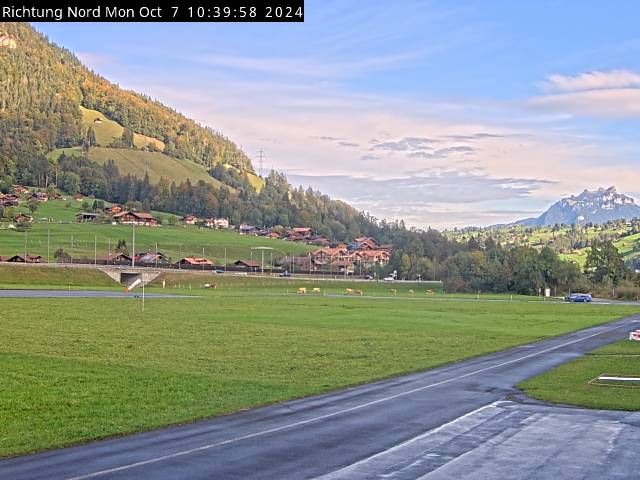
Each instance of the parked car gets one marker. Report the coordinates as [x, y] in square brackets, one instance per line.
[285, 274]
[218, 272]
[368, 277]
[388, 279]
[579, 298]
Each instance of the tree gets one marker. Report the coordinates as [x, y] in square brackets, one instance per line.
[62, 256]
[85, 206]
[122, 247]
[33, 205]
[605, 264]
[70, 182]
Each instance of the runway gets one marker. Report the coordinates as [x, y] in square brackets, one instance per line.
[456, 421]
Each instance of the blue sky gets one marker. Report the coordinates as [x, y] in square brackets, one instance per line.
[443, 113]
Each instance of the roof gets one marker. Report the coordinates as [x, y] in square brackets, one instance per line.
[248, 263]
[86, 214]
[196, 261]
[142, 215]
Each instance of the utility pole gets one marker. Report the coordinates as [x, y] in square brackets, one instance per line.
[225, 259]
[202, 258]
[48, 243]
[109, 252]
[95, 250]
[25, 245]
[133, 251]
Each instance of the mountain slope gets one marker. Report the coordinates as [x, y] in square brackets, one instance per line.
[43, 87]
[599, 206]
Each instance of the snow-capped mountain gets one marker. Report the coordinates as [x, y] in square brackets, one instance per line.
[599, 206]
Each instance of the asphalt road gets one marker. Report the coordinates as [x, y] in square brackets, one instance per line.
[81, 294]
[449, 422]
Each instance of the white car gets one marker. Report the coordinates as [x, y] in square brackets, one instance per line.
[388, 279]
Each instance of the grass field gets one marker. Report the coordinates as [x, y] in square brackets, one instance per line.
[35, 276]
[138, 162]
[108, 130]
[569, 383]
[78, 369]
[77, 239]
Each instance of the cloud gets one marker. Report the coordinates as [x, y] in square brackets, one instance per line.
[405, 144]
[348, 144]
[307, 67]
[596, 80]
[607, 94]
[608, 103]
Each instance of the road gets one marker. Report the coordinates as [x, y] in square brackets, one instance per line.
[449, 422]
[82, 294]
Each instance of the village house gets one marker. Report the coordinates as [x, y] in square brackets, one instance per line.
[19, 189]
[371, 258]
[25, 259]
[363, 243]
[114, 209]
[136, 218]
[326, 255]
[86, 217]
[246, 229]
[116, 258]
[39, 196]
[319, 240]
[251, 265]
[151, 258]
[23, 218]
[194, 261]
[9, 200]
[189, 220]
[219, 223]
[272, 235]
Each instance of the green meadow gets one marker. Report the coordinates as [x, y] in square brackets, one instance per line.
[86, 239]
[569, 383]
[81, 369]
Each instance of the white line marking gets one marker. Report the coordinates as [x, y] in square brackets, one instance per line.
[332, 475]
[334, 414]
[623, 379]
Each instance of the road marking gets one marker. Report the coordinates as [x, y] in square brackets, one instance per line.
[335, 414]
[400, 446]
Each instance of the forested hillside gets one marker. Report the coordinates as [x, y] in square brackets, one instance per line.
[42, 87]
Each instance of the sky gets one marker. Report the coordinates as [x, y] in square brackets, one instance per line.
[443, 113]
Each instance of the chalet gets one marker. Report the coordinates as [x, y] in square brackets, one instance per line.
[319, 240]
[216, 223]
[39, 196]
[86, 217]
[25, 259]
[345, 266]
[195, 261]
[136, 218]
[272, 235]
[295, 237]
[305, 232]
[114, 209]
[151, 258]
[9, 200]
[246, 229]
[189, 220]
[23, 218]
[116, 258]
[327, 255]
[363, 243]
[250, 265]
[369, 258]
[19, 189]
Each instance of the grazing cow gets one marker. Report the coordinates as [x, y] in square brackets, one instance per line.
[411, 292]
[393, 290]
[210, 285]
[429, 292]
[302, 291]
[316, 290]
[348, 291]
[358, 292]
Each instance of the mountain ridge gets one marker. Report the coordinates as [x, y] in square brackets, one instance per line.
[597, 206]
